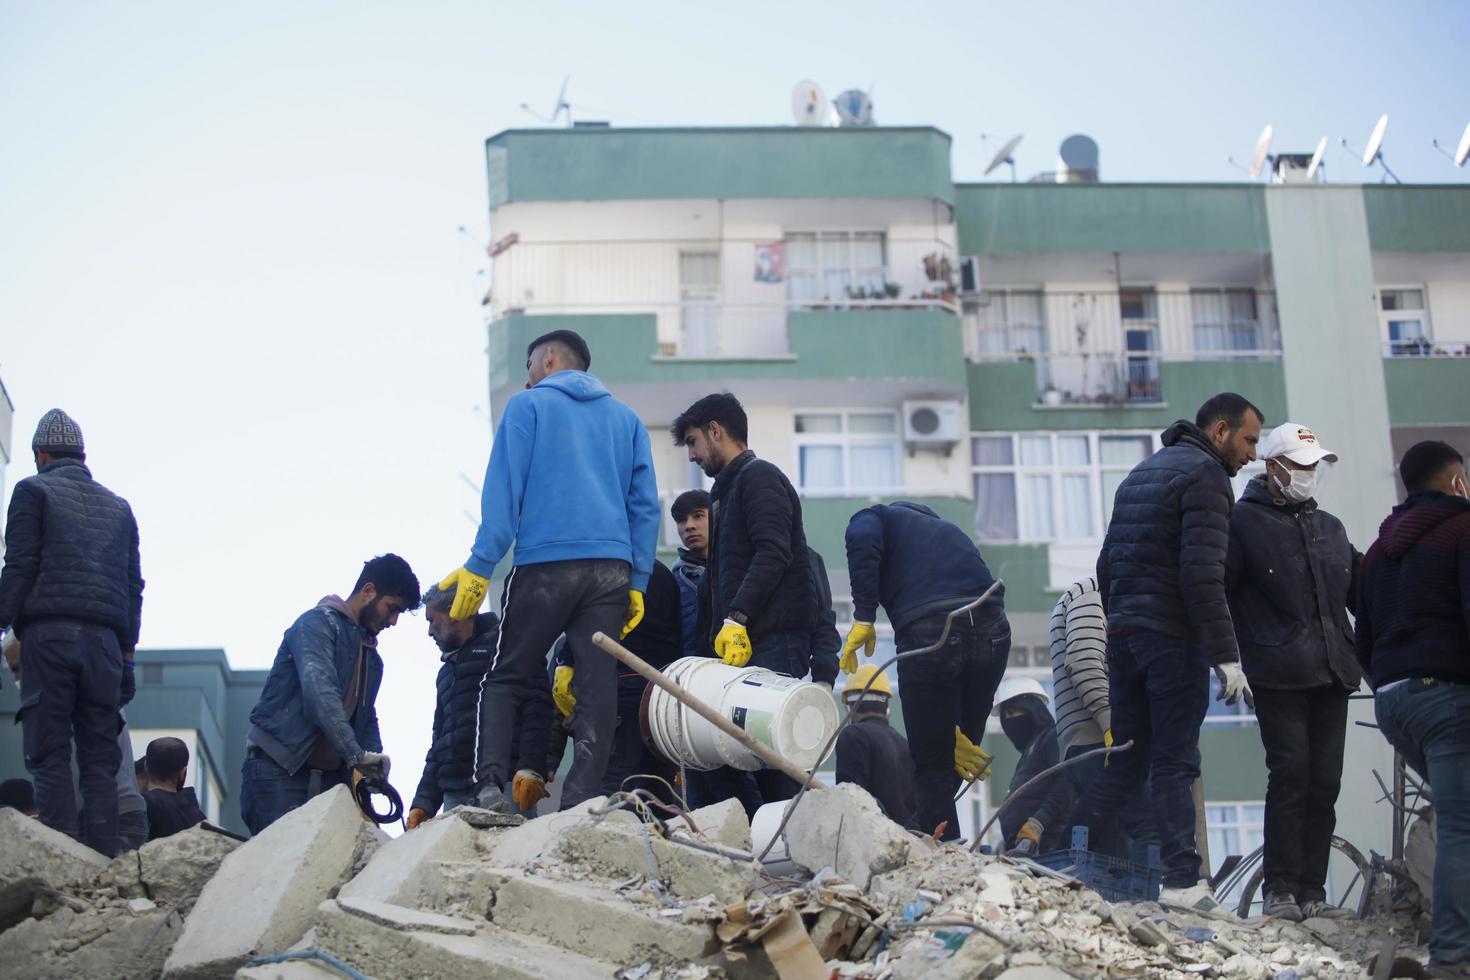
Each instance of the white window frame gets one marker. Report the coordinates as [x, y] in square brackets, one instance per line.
[1250, 834]
[856, 274]
[1229, 352]
[845, 440]
[1384, 316]
[1094, 470]
[1007, 327]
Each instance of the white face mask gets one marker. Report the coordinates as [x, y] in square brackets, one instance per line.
[1301, 488]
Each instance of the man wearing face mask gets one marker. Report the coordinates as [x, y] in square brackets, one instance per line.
[1291, 579]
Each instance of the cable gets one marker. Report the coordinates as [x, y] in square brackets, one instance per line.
[369, 786]
[1044, 774]
[309, 954]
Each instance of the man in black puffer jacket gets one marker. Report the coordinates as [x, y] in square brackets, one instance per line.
[1290, 581]
[72, 589]
[763, 597]
[1162, 578]
[466, 647]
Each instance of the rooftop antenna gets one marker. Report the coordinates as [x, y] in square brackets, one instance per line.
[1461, 152]
[1373, 153]
[1262, 153]
[562, 105]
[1316, 163]
[1006, 155]
[808, 103]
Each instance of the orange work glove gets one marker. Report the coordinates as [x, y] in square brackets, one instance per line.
[417, 816]
[528, 788]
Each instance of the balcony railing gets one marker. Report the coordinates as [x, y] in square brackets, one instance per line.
[1426, 347]
[1107, 378]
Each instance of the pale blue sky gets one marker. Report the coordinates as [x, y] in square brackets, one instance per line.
[228, 246]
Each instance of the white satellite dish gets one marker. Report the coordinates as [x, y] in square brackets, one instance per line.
[808, 103]
[1316, 159]
[854, 107]
[1005, 156]
[1463, 150]
[1375, 142]
[1263, 152]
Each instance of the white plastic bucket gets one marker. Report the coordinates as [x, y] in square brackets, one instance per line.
[795, 718]
[762, 828]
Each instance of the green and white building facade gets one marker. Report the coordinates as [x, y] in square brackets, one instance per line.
[1002, 352]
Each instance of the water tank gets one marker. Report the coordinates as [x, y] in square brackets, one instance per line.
[1077, 160]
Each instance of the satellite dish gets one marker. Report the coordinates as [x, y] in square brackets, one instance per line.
[1316, 159]
[1463, 150]
[1004, 156]
[808, 103]
[854, 107]
[1375, 142]
[1263, 151]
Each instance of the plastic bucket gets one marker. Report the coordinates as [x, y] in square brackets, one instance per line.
[795, 718]
[762, 829]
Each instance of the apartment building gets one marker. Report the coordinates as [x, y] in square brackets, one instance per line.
[1002, 352]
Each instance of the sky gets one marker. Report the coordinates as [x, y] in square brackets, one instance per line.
[230, 246]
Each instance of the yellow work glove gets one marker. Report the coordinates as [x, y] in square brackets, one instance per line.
[469, 589]
[732, 644]
[1107, 741]
[634, 615]
[561, 691]
[970, 760]
[861, 635]
[528, 788]
[1031, 831]
[417, 816]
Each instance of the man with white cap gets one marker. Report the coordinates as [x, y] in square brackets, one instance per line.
[1291, 579]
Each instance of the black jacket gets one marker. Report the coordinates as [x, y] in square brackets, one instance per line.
[757, 549]
[1035, 736]
[71, 552]
[912, 562]
[658, 637]
[826, 642]
[1291, 581]
[1162, 566]
[1414, 593]
[170, 813]
[449, 764]
[873, 755]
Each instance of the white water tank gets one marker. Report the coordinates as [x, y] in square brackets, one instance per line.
[1077, 160]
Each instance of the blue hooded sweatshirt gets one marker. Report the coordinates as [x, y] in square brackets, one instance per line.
[570, 476]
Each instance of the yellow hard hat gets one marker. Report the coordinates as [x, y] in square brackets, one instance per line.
[858, 679]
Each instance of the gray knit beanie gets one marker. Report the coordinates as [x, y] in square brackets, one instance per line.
[57, 433]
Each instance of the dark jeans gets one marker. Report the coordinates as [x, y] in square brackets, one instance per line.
[540, 603]
[269, 792]
[71, 686]
[630, 755]
[785, 653]
[1159, 689]
[1430, 726]
[1135, 821]
[1303, 732]
[132, 830]
[952, 686]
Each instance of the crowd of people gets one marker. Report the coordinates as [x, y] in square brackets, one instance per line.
[1267, 592]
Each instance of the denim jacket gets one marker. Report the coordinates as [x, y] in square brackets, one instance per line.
[302, 699]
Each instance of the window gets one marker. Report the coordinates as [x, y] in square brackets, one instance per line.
[1225, 321]
[1405, 322]
[1050, 486]
[1139, 309]
[1233, 828]
[699, 294]
[844, 451]
[833, 266]
[1011, 323]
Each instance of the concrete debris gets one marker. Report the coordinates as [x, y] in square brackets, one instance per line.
[595, 893]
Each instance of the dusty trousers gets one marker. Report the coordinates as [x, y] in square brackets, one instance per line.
[541, 602]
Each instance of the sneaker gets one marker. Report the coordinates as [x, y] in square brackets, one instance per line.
[1283, 906]
[1315, 908]
[1196, 898]
[491, 798]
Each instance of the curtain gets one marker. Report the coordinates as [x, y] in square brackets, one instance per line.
[995, 507]
[1037, 525]
[1076, 506]
[821, 467]
[875, 465]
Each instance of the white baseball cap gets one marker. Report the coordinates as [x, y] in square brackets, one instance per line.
[1296, 443]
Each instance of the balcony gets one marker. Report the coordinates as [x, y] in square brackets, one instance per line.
[1424, 380]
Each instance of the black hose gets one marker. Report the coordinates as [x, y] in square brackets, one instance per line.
[369, 786]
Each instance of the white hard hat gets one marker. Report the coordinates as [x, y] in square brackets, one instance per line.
[1012, 687]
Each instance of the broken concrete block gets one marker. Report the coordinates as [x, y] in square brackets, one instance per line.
[33, 857]
[178, 867]
[398, 917]
[396, 872]
[1035, 973]
[723, 823]
[618, 851]
[102, 944]
[968, 961]
[844, 829]
[265, 893]
[533, 838]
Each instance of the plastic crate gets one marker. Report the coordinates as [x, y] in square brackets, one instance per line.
[1113, 878]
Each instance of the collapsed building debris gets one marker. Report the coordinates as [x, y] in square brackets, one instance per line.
[596, 893]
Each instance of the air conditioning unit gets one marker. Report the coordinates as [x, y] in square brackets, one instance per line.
[931, 424]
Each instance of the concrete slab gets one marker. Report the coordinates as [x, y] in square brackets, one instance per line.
[491, 953]
[618, 851]
[97, 944]
[398, 917]
[33, 856]
[722, 823]
[843, 828]
[289, 970]
[517, 846]
[178, 867]
[266, 892]
[396, 872]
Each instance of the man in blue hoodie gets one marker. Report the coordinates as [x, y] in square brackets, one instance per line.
[571, 483]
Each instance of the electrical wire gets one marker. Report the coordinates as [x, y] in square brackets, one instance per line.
[369, 786]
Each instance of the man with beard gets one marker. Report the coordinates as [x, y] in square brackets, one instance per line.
[316, 721]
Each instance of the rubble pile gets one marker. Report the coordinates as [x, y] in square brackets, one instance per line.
[598, 893]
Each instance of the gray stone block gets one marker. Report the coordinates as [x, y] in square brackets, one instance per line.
[33, 858]
[397, 870]
[843, 828]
